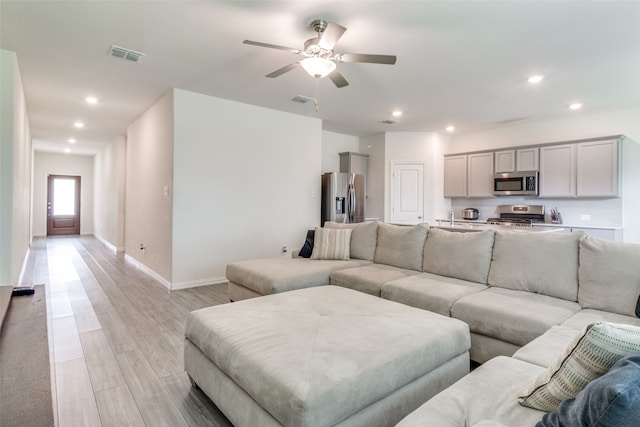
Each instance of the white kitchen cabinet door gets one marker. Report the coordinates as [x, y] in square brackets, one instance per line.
[455, 176]
[505, 161]
[480, 175]
[527, 159]
[558, 171]
[597, 169]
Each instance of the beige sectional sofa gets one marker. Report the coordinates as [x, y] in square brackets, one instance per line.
[525, 296]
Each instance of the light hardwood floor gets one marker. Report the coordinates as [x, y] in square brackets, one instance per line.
[115, 338]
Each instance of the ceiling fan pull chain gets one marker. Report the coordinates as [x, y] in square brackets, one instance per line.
[315, 98]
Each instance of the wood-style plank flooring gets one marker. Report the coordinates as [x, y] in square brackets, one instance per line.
[115, 338]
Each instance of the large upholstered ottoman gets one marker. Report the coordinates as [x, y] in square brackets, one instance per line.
[322, 356]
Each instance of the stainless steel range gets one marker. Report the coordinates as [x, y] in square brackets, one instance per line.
[518, 215]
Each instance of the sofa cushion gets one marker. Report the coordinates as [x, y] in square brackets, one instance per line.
[331, 243]
[465, 256]
[589, 356]
[400, 246]
[363, 237]
[609, 275]
[429, 291]
[489, 392]
[272, 275]
[516, 317]
[543, 263]
[547, 348]
[587, 316]
[368, 279]
[611, 400]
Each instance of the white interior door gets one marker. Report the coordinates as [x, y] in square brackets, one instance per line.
[407, 192]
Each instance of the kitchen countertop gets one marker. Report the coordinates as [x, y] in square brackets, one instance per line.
[446, 222]
[479, 226]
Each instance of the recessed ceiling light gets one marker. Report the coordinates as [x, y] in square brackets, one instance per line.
[575, 106]
[71, 140]
[450, 128]
[91, 100]
[535, 79]
[67, 150]
[396, 113]
[79, 125]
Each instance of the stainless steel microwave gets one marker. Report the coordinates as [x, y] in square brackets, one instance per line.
[516, 183]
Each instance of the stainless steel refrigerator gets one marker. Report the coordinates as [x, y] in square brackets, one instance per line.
[342, 197]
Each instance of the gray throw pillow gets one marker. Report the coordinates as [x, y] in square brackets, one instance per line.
[363, 237]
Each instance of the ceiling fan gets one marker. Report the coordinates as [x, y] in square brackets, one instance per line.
[320, 59]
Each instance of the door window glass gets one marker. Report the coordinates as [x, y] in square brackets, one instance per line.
[64, 196]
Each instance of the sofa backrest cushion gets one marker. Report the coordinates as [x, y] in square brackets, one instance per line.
[609, 275]
[363, 238]
[401, 246]
[543, 263]
[465, 256]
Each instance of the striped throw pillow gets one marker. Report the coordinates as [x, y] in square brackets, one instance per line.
[588, 357]
[332, 243]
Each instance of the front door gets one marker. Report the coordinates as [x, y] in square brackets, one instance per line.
[407, 192]
[63, 205]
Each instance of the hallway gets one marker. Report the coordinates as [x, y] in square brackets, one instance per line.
[115, 338]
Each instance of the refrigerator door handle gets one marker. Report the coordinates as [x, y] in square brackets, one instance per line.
[352, 203]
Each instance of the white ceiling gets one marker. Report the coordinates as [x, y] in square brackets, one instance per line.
[459, 62]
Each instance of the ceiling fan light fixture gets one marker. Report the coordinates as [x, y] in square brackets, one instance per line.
[318, 67]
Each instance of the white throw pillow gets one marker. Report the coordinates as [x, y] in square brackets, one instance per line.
[331, 243]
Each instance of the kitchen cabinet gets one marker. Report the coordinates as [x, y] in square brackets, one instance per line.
[558, 171]
[480, 175]
[351, 162]
[597, 169]
[468, 175]
[586, 169]
[524, 159]
[455, 176]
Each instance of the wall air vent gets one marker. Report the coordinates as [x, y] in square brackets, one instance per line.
[124, 53]
[389, 121]
[301, 99]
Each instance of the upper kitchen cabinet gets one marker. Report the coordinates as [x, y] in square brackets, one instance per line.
[354, 163]
[585, 169]
[480, 175]
[468, 175]
[455, 176]
[597, 169]
[524, 159]
[558, 171]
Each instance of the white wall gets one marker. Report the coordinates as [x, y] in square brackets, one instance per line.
[15, 172]
[109, 193]
[575, 125]
[149, 169]
[374, 145]
[423, 147]
[46, 164]
[334, 143]
[246, 182]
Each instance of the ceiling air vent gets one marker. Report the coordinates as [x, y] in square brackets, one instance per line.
[389, 121]
[124, 53]
[301, 99]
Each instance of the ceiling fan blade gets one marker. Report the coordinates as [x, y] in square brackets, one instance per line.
[331, 35]
[272, 46]
[372, 59]
[283, 70]
[338, 79]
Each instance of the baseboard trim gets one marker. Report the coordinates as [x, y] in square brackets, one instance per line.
[196, 283]
[149, 271]
[109, 244]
